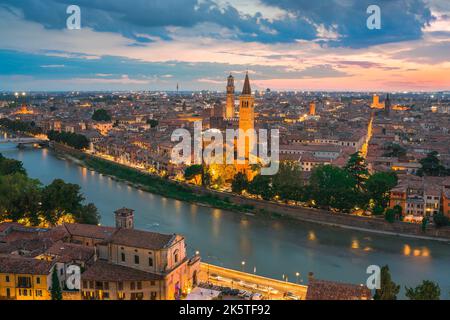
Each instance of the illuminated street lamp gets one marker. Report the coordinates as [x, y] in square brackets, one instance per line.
[243, 265]
[297, 274]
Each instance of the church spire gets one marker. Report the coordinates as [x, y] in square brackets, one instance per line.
[247, 89]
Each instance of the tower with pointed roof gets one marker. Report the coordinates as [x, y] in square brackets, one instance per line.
[229, 109]
[246, 117]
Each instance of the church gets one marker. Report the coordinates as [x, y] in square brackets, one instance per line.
[224, 118]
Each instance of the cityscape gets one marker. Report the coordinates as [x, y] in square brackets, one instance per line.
[235, 151]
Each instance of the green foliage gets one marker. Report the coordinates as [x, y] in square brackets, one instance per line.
[389, 215]
[77, 141]
[431, 166]
[101, 115]
[25, 198]
[440, 220]
[333, 187]
[55, 289]
[239, 183]
[19, 197]
[287, 184]
[152, 122]
[10, 166]
[357, 168]
[262, 186]
[193, 171]
[424, 224]
[378, 187]
[427, 290]
[20, 126]
[394, 150]
[388, 288]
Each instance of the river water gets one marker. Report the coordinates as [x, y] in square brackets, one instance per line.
[271, 247]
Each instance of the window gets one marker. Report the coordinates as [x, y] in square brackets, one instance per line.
[8, 292]
[139, 285]
[24, 282]
[136, 259]
[7, 279]
[132, 286]
[175, 256]
[150, 262]
[38, 293]
[122, 257]
[38, 280]
[152, 295]
[120, 286]
[85, 284]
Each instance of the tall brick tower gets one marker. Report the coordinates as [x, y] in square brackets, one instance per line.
[229, 110]
[246, 118]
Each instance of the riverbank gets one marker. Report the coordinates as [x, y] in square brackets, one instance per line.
[227, 201]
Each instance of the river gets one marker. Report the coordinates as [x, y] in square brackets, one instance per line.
[271, 247]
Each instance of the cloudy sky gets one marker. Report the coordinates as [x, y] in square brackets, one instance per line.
[284, 45]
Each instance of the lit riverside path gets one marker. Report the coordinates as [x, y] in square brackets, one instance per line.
[274, 246]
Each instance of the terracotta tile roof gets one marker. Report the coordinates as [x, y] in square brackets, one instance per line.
[330, 290]
[141, 239]
[71, 251]
[20, 265]
[90, 231]
[104, 271]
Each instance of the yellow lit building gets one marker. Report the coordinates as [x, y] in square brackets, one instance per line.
[24, 278]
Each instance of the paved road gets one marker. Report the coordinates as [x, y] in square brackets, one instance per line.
[270, 288]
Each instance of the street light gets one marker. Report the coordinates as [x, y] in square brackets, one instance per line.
[297, 274]
[243, 265]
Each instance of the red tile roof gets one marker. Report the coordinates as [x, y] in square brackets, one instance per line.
[104, 271]
[21, 265]
[330, 290]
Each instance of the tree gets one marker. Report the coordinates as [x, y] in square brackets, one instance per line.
[378, 187]
[428, 290]
[89, 214]
[357, 168]
[11, 166]
[388, 289]
[287, 183]
[389, 215]
[333, 187]
[77, 141]
[152, 122]
[101, 115]
[431, 166]
[394, 150]
[239, 183]
[262, 186]
[60, 198]
[194, 172]
[19, 198]
[55, 290]
[440, 220]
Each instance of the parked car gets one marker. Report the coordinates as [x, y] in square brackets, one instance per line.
[257, 296]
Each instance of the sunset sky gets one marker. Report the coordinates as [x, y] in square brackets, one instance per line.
[284, 45]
